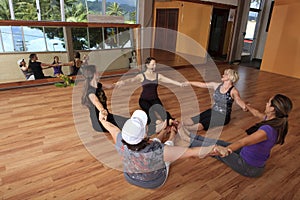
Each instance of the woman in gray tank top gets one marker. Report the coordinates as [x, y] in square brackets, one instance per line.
[224, 95]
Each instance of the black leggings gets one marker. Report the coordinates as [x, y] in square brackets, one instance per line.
[153, 108]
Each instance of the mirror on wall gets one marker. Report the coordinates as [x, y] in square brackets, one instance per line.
[109, 46]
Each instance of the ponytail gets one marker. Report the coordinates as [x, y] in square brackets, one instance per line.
[88, 74]
[282, 107]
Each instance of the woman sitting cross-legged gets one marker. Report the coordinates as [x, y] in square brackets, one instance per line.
[149, 100]
[224, 95]
[146, 161]
[248, 156]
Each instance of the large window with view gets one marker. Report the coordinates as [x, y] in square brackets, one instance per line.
[67, 10]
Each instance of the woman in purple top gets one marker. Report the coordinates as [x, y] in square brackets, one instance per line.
[248, 156]
[149, 100]
[58, 65]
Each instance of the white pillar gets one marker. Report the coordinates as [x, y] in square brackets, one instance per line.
[11, 9]
[62, 10]
[103, 7]
[38, 10]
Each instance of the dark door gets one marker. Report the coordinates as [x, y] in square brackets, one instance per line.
[217, 32]
[164, 38]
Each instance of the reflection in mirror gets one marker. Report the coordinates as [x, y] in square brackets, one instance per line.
[55, 39]
[109, 47]
[96, 38]
[80, 38]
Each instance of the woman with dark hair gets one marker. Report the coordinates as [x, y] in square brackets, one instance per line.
[146, 161]
[95, 99]
[248, 156]
[149, 100]
[37, 67]
[57, 66]
[75, 64]
[25, 69]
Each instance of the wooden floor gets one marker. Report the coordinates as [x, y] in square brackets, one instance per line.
[48, 149]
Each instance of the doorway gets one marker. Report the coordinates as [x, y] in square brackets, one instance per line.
[167, 19]
[217, 34]
[251, 33]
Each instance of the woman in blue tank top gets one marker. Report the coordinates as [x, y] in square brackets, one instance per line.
[224, 95]
[149, 100]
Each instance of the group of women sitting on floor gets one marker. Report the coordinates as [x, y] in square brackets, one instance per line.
[34, 69]
[146, 161]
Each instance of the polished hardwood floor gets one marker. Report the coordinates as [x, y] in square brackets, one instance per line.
[48, 149]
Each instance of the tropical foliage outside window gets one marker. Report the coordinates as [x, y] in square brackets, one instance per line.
[52, 39]
[75, 10]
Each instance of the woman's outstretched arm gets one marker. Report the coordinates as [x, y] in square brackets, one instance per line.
[256, 137]
[112, 129]
[255, 112]
[137, 78]
[236, 96]
[213, 85]
[164, 79]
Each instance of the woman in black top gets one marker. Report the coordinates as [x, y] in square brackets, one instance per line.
[149, 100]
[37, 67]
[95, 99]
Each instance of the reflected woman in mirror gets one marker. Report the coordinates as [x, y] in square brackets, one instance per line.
[37, 67]
[58, 65]
[25, 69]
[74, 64]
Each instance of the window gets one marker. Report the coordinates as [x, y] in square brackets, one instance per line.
[17, 37]
[74, 10]
[55, 39]
[94, 7]
[255, 4]
[126, 8]
[7, 38]
[80, 39]
[34, 39]
[125, 40]
[111, 39]
[96, 38]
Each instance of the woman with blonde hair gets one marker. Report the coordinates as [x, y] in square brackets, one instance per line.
[224, 95]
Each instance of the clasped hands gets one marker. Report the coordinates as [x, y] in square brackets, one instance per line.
[103, 115]
[220, 151]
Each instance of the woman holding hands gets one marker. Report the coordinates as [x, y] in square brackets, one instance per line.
[224, 96]
[95, 100]
[149, 100]
[248, 155]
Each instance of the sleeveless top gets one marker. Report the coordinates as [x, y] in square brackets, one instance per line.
[57, 69]
[149, 88]
[223, 102]
[99, 92]
[37, 70]
[145, 168]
